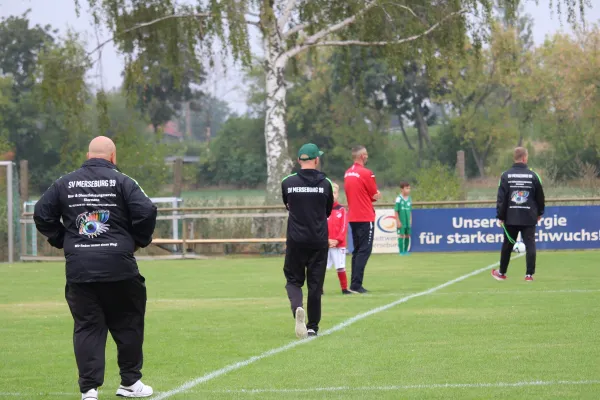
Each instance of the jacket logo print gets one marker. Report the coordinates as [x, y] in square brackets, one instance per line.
[93, 224]
[519, 196]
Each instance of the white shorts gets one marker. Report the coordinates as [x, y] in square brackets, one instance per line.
[337, 258]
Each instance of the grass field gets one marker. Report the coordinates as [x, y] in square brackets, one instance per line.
[475, 338]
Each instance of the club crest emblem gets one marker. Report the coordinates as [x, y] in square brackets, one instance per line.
[519, 196]
[93, 224]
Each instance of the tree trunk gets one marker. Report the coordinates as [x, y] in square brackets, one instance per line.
[420, 122]
[479, 160]
[520, 142]
[420, 155]
[279, 163]
[408, 143]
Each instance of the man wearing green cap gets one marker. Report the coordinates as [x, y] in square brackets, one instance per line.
[308, 196]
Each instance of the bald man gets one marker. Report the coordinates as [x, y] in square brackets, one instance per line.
[106, 217]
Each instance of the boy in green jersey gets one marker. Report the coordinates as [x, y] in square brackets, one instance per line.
[403, 217]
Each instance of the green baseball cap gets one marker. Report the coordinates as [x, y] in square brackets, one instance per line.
[310, 151]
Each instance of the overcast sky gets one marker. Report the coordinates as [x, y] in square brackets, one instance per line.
[228, 86]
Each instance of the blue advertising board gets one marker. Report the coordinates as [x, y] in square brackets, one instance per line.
[476, 229]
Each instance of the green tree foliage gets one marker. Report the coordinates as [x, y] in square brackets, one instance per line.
[288, 28]
[481, 96]
[207, 116]
[164, 72]
[25, 128]
[403, 90]
[48, 116]
[565, 80]
[140, 153]
[6, 106]
[237, 154]
[42, 69]
[161, 98]
[334, 119]
[63, 92]
[438, 183]
[20, 47]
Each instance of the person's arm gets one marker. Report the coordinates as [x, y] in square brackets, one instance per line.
[502, 199]
[397, 214]
[47, 215]
[284, 196]
[342, 230]
[540, 197]
[371, 185]
[142, 213]
[329, 198]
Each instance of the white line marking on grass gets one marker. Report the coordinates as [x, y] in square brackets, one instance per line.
[232, 367]
[523, 291]
[533, 291]
[362, 389]
[410, 387]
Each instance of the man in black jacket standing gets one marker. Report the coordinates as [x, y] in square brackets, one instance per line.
[308, 195]
[519, 207]
[106, 217]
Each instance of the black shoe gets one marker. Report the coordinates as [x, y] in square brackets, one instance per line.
[362, 290]
[346, 291]
[311, 332]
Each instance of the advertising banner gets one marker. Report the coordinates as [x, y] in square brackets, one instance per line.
[476, 229]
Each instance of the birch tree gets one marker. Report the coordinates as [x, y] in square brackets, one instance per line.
[287, 28]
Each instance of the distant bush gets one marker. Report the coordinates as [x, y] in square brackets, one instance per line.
[438, 183]
[237, 155]
[395, 164]
[143, 159]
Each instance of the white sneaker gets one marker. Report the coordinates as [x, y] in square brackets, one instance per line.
[91, 394]
[138, 389]
[301, 332]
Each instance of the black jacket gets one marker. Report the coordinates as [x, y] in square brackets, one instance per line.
[105, 215]
[520, 196]
[308, 195]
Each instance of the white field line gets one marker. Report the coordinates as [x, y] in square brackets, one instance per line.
[532, 291]
[361, 389]
[410, 387]
[232, 367]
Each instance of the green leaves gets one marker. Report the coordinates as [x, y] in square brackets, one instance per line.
[63, 89]
[237, 155]
[566, 82]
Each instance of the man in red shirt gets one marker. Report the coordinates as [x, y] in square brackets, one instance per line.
[361, 193]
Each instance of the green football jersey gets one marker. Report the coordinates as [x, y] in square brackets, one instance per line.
[404, 208]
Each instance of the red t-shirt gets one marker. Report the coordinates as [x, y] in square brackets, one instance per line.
[360, 187]
[338, 225]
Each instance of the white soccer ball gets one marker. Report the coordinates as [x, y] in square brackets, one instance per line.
[519, 247]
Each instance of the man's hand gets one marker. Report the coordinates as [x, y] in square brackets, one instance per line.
[398, 224]
[377, 196]
[333, 243]
[539, 218]
[501, 222]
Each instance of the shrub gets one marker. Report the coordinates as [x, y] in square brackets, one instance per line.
[438, 183]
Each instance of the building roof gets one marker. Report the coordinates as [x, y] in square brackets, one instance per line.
[170, 128]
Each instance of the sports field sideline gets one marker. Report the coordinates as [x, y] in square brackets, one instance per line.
[435, 326]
